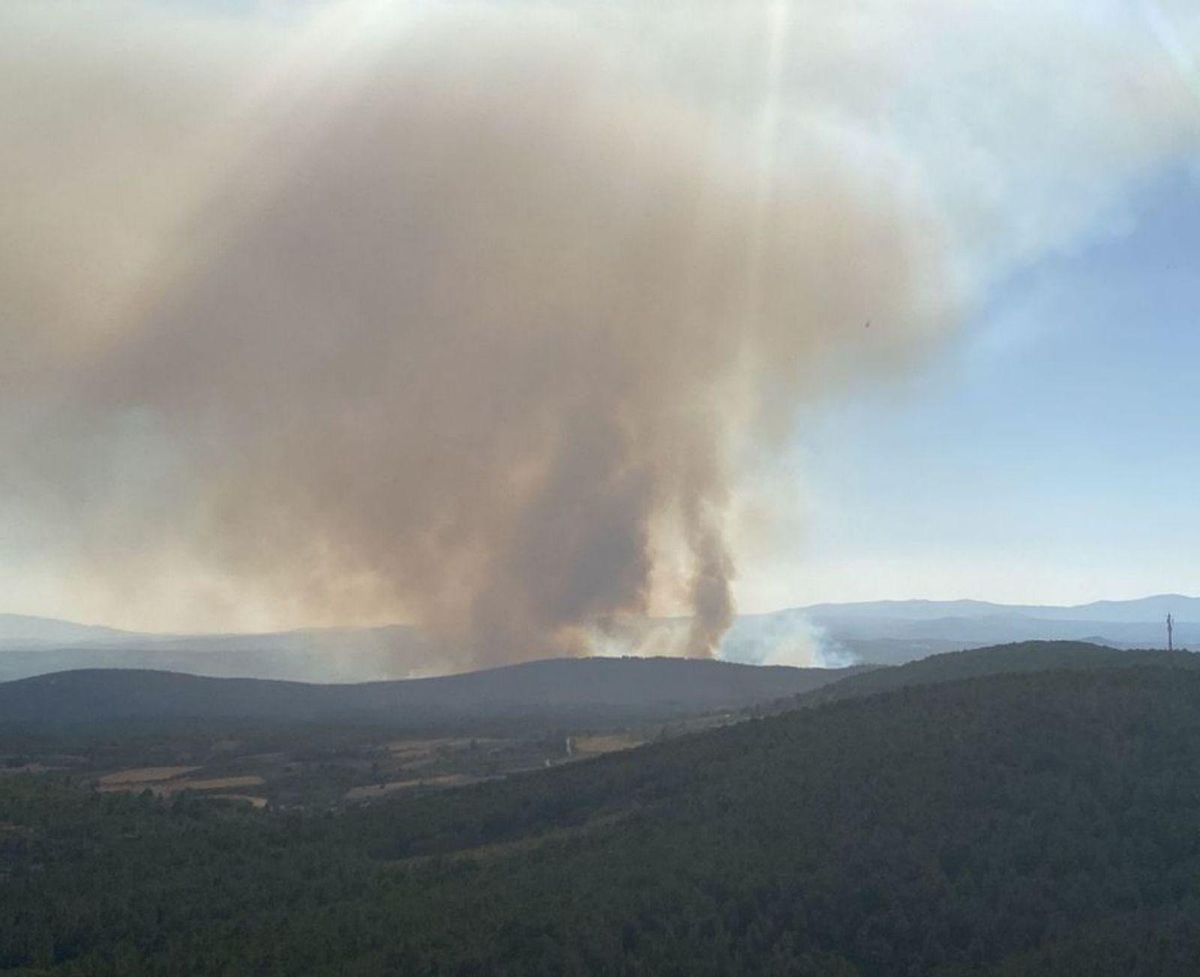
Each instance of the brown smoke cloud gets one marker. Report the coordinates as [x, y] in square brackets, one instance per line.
[472, 328]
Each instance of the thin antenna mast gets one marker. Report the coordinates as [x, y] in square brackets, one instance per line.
[1170, 629]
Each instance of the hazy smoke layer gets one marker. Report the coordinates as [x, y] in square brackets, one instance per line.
[466, 321]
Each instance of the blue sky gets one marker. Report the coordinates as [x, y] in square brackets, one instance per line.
[1049, 452]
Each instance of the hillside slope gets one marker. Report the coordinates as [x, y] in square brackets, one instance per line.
[604, 688]
[1045, 823]
[1025, 656]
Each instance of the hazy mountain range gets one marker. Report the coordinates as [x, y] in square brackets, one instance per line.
[36, 646]
[891, 632]
[881, 632]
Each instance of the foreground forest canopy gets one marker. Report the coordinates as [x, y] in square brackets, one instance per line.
[1034, 822]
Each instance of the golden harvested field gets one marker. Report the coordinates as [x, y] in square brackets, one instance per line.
[141, 775]
[593, 745]
[26, 768]
[165, 781]
[429, 747]
[216, 783]
[371, 791]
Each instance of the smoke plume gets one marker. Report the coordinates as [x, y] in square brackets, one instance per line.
[469, 320]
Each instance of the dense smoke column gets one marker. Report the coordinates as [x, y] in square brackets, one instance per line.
[474, 337]
[471, 327]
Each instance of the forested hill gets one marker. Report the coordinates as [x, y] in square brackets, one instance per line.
[1026, 656]
[1040, 823]
[614, 689]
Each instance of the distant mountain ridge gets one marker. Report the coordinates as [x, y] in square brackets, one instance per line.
[38, 646]
[23, 630]
[874, 632]
[975, 663]
[1138, 609]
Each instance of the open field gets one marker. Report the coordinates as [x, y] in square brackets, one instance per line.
[141, 775]
[323, 767]
[595, 745]
[217, 783]
[169, 785]
[369, 792]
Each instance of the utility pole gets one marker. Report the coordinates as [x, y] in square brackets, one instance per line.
[1170, 629]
